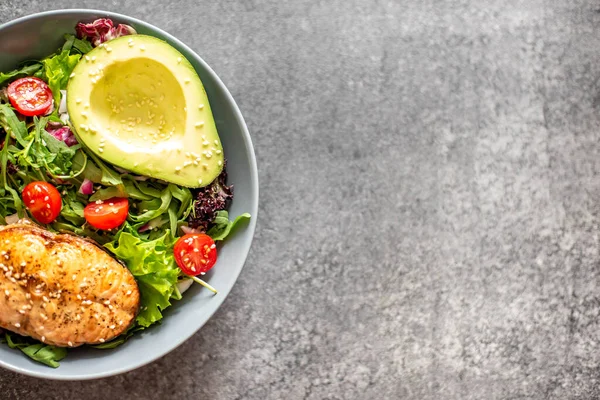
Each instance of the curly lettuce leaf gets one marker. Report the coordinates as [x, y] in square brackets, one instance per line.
[153, 265]
[58, 69]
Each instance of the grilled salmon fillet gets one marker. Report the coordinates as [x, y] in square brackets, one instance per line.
[62, 289]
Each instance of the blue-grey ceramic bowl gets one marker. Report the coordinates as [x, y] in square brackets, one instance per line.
[36, 36]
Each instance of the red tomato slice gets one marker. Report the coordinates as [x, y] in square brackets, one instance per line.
[43, 201]
[30, 96]
[107, 214]
[195, 253]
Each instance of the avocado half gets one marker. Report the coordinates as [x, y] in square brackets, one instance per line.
[138, 103]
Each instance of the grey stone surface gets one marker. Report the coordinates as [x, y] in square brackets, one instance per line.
[430, 202]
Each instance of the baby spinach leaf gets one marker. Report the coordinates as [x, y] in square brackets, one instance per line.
[49, 355]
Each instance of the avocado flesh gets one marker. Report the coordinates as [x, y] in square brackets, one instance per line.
[137, 103]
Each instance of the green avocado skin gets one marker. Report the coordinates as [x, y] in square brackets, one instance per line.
[137, 103]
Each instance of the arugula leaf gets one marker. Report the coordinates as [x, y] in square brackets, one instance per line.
[110, 177]
[82, 46]
[58, 69]
[222, 226]
[91, 171]
[109, 192]
[134, 192]
[172, 211]
[72, 209]
[49, 355]
[27, 70]
[153, 265]
[147, 189]
[69, 40]
[78, 165]
[184, 195]
[42, 150]
[155, 223]
[63, 154]
[12, 125]
[165, 198]
[4, 178]
[146, 205]
[188, 211]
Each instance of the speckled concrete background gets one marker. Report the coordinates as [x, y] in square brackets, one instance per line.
[430, 202]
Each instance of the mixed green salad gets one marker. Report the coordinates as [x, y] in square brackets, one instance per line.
[142, 218]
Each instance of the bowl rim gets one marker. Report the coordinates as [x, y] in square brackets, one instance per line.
[52, 374]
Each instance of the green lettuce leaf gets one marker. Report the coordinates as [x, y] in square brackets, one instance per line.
[57, 70]
[153, 265]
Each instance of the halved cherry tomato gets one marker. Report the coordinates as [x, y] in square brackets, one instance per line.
[43, 201]
[30, 96]
[195, 253]
[107, 214]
